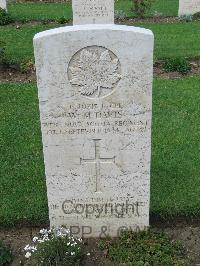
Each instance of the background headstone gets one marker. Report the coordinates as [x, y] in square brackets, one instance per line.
[3, 4]
[95, 98]
[93, 12]
[188, 7]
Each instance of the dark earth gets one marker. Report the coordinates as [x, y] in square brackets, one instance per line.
[13, 74]
[186, 230]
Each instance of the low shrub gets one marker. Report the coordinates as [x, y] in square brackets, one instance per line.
[178, 64]
[24, 20]
[5, 18]
[54, 247]
[45, 21]
[26, 66]
[186, 18]
[5, 255]
[120, 15]
[157, 14]
[196, 16]
[141, 7]
[2, 53]
[146, 248]
[62, 20]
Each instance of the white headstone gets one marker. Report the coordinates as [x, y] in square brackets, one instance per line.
[188, 7]
[3, 4]
[93, 12]
[95, 98]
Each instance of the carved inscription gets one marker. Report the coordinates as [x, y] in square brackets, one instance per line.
[192, 5]
[189, 7]
[97, 161]
[93, 11]
[94, 71]
[79, 119]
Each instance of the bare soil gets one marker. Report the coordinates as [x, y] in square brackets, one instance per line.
[16, 76]
[155, 19]
[120, 21]
[18, 237]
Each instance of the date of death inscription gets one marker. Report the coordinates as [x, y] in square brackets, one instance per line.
[89, 119]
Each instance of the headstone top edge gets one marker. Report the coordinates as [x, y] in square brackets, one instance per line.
[92, 27]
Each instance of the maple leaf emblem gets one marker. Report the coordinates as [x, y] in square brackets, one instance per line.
[94, 71]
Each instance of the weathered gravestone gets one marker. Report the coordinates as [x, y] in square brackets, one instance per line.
[95, 94]
[188, 7]
[93, 11]
[3, 4]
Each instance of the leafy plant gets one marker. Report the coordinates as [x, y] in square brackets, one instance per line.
[2, 53]
[5, 255]
[196, 16]
[55, 247]
[146, 248]
[157, 14]
[178, 64]
[140, 7]
[186, 18]
[120, 15]
[62, 20]
[25, 66]
[24, 20]
[5, 18]
[45, 21]
[4, 60]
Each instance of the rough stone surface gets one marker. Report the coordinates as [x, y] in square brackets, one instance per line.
[95, 97]
[188, 7]
[93, 11]
[3, 4]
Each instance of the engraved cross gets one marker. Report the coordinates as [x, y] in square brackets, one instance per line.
[97, 161]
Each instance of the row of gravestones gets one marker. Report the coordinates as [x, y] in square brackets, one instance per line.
[186, 7]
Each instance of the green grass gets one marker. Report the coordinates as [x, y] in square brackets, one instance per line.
[177, 39]
[171, 40]
[22, 47]
[175, 175]
[38, 11]
[22, 178]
